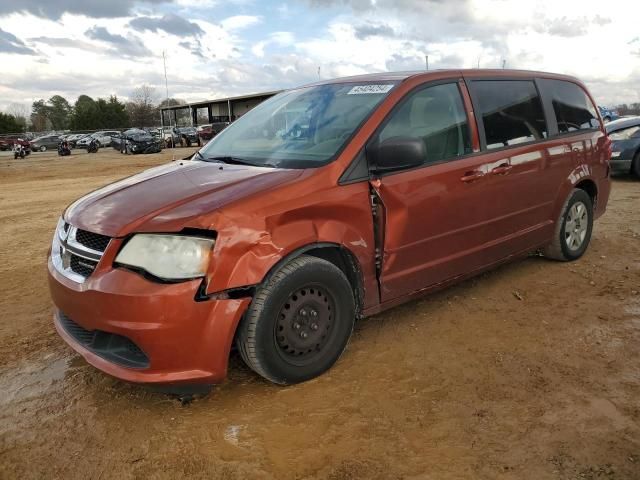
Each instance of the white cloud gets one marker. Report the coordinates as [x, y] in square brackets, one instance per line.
[281, 39]
[238, 22]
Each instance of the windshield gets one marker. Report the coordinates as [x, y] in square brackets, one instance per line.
[626, 133]
[300, 128]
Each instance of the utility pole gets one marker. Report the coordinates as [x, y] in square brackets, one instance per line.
[166, 86]
[426, 59]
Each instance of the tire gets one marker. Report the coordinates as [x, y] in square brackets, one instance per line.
[43, 148]
[571, 237]
[635, 165]
[606, 119]
[299, 321]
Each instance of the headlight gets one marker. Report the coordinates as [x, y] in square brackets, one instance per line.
[169, 257]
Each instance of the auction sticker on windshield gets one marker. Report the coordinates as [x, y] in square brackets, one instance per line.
[362, 89]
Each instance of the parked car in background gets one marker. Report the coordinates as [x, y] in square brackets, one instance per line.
[136, 140]
[45, 143]
[207, 132]
[277, 236]
[74, 138]
[608, 115]
[625, 135]
[6, 143]
[168, 136]
[188, 136]
[102, 137]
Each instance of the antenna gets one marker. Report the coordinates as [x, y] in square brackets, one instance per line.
[166, 86]
[318, 72]
[426, 59]
[504, 63]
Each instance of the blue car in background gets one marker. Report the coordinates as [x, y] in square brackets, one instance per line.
[625, 147]
[608, 115]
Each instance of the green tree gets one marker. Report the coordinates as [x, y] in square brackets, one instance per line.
[59, 112]
[89, 114]
[86, 115]
[114, 113]
[40, 116]
[10, 124]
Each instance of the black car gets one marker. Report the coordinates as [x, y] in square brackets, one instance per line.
[188, 135]
[625, 135]
[135, 140]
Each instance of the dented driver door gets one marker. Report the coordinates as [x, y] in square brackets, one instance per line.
[432, 219]
[434, 222]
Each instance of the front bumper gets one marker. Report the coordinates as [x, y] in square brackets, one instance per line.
[185, 341]
[621, 163]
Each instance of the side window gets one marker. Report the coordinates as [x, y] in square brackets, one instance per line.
[437, 116]
[574, 110]
[510, 110]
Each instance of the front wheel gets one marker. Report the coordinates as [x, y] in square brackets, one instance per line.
[43, 148]
[573, 228]
[299, 321]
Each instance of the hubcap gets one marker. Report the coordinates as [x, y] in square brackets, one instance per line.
[575, 227]
[304, 323]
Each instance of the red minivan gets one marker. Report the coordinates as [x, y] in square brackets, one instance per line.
[325, 204]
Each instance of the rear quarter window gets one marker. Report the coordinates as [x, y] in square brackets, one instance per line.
[510, 111]
[573, 109]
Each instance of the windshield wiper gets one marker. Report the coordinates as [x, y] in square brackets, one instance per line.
[235, 161]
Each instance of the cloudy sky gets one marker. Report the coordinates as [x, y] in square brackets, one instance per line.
[225, 47]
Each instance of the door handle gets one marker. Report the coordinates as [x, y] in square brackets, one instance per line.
[472, 176]
[501, 170]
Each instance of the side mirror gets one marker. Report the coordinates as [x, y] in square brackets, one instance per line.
[397, 153]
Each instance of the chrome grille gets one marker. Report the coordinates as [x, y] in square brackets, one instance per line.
[75, 253]
[95, 241]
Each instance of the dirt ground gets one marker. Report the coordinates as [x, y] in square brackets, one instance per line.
[529, 372]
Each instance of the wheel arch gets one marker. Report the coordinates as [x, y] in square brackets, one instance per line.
[582, 177]
[590, 187]
[334, 253]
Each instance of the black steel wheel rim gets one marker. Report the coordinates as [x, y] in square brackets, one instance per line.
[305, 324]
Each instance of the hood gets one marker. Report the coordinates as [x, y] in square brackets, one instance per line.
[164, 192]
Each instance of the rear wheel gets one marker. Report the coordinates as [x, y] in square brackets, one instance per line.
[299, 321]
[43, 148]
[573, 228]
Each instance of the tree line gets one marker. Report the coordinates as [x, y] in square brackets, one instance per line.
[86, 113]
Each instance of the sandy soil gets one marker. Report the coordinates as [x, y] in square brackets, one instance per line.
[529, 372]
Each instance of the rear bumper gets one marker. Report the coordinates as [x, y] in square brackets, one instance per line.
[184, 341]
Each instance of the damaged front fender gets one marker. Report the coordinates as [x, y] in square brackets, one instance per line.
[251, 242]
